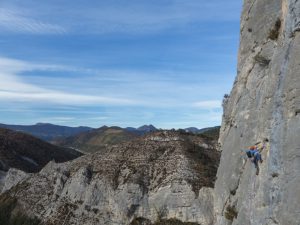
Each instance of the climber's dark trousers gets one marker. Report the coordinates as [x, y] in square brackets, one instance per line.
[257, 158]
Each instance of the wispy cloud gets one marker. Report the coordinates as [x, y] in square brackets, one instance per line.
[117, 62]
[146, 17]
[213, 104]
[44, 95]
[194, 119]
[133, 17]
[14, 21]
[56, 119]
[96, 87]
[91, 96]
[13, 88]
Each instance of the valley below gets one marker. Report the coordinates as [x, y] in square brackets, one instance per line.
[162, 175]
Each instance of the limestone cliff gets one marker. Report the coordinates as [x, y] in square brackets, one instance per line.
[264, 104]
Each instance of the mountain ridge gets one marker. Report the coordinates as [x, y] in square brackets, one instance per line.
[27, 153]
[97, 139]
[47, 131]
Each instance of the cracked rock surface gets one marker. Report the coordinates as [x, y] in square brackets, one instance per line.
[263, 104]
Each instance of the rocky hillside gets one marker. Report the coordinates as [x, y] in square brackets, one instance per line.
[97, 139]
[46, 131]
[152, 179]
[29, 154]
[264, 104]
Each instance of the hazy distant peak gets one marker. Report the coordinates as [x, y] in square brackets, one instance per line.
[147, 128]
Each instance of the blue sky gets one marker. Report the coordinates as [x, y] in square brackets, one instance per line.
[117, 62]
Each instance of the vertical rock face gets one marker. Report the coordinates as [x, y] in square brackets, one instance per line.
[264, 104]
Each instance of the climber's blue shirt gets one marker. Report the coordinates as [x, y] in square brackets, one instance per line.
[251, 153]
[255, 154]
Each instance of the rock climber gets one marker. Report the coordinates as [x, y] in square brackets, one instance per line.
[255, 157]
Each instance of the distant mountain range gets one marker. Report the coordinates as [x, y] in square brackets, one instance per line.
[47, 131]
[90, 140]
[195, 130]
[142, 130]
[29, 154]
[50, 132]
[98, 139]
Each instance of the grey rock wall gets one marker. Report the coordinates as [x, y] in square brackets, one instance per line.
[263, 104]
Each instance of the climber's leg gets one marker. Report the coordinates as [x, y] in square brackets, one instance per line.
[257, 170]
[255, 162]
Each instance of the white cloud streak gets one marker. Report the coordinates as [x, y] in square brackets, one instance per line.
[13, 88]
[14, 21]
[213, 104]
[144, 17]
[143, 102]
[99, 88]
[132, 17]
